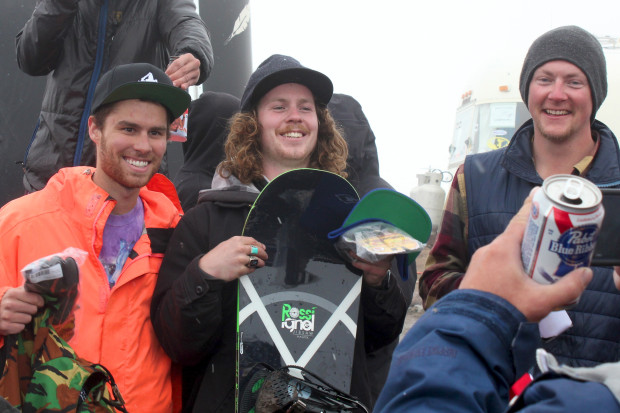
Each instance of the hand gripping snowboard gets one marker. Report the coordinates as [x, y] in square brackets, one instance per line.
[301, 308]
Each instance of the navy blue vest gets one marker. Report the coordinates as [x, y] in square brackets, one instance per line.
[497, 183]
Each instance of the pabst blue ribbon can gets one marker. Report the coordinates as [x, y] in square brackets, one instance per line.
[562, 228]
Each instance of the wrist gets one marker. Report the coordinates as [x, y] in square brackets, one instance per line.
[382, 283]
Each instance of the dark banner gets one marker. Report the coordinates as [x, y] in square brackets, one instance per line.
[229, 25]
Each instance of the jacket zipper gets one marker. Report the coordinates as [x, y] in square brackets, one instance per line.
[103, 18]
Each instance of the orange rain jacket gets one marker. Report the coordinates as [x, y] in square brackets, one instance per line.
[113, 326]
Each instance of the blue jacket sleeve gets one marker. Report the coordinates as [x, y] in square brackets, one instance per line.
[456, 358]
[461, 357]
[564, 395]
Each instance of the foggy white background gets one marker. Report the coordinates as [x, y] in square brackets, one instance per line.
[408, 62]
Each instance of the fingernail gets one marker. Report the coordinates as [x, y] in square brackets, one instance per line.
[586, 275]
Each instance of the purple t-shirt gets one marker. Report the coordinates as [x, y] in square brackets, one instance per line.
[119, 236]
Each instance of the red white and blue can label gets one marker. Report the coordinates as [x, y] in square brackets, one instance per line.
[564, 223]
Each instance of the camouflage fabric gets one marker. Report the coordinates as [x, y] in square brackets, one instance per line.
[60, 293]
[42, 373]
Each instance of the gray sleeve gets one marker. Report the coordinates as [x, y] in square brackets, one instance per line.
[38, 46]
[183, 31]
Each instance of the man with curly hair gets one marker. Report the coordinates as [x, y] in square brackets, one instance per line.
[283, 124]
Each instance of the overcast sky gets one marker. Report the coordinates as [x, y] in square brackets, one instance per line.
[408, 62]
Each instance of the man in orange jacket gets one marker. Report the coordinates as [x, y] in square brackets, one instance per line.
[121, 214]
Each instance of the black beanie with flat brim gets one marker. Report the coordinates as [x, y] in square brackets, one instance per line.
[572, 44]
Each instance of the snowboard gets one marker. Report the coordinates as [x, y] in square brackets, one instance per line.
[302, 307]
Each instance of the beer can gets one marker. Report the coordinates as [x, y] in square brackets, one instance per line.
[562, 228]
[178, 128]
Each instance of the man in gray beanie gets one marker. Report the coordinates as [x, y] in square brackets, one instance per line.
[563, 83]
[574, 45]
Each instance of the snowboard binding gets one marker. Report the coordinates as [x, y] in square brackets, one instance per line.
[278, 391]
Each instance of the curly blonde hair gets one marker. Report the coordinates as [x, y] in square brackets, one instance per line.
[243, 152]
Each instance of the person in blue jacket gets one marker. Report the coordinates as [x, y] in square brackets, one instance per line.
[461, 355]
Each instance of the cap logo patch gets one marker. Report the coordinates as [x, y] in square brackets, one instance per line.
[148, 78]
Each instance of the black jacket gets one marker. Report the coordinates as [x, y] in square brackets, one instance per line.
[497, 183]
[207, 128]
[63, 40]
[363, 160]
[195, 317]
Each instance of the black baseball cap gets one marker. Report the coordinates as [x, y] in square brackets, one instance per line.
[280, 69]
[140, 81]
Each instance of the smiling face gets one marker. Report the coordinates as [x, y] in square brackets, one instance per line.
[130, 145]
[560, 101]
[288, 128]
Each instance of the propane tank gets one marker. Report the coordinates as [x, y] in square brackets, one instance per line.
[430, 195]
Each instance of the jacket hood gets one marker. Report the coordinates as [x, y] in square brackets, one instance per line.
[229, 191]
[207, 128]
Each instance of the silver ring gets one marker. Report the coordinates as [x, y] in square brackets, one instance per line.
[252, 262]
[253, 250]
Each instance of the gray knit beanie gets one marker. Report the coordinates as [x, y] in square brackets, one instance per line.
[574, 45]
